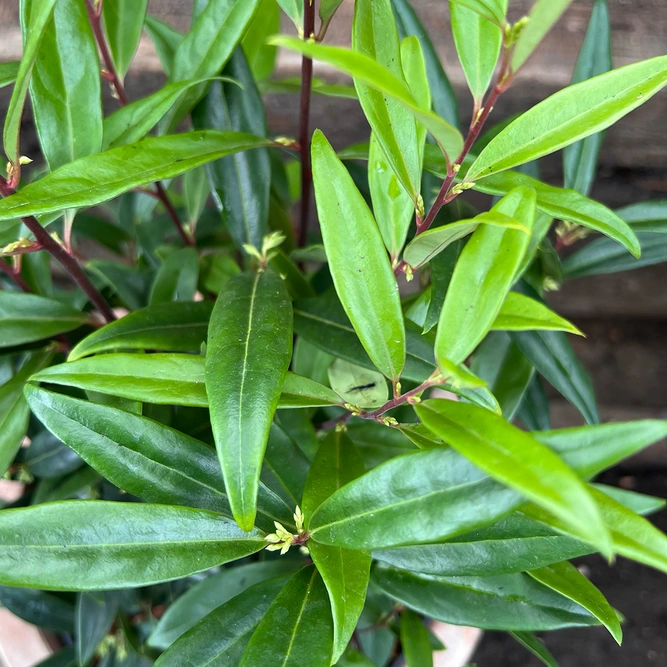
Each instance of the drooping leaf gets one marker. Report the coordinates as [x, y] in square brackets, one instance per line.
[249, 350]
[417, 650]
[124, 22]
[95, 179]
[44, 610]
[177, 278]
[358, 386]
[165, 39]
[297, 628]
[97, 545]
[521, 313]
[536, 646]
[363, 278]
[95, 613]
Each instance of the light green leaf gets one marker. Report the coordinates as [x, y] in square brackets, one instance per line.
[301, 392]
[249, 350]
[483, 275]
[357, 385]
[294, 11]
[261, 56]
[124, 21]
[165, 39]
[8, 73]
[195, 192]
[177, 278]
[98, 178]
[96, 545]
[415, 74]
[518, 460]
[521, 313]
[571, 114]
[358, 262]
[491, 10]
[417, 649]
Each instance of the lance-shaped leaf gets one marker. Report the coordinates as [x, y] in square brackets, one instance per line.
[44, 610]
[165, 39]
[484, 273]
[220, 638]
[374, 34]
[294, 10]
[570, 115]
[375, 75]
[536, 646]
[415, 641]
[358, 262]
[518, 460]
[176, 279]
[302, 392]
[95, 614]
[8, 73]
[123, 22]
[261, 56]
[504, 602]
[240, 183]
[205, 50]
[327, 10]
[97, 545]
[491, 10]
[580, 159]
[143, 457]
[65, 80]
[521, 313]
[176, 327]
[345, 572]
[565, 579]
[297, 628]
[478, 43]
[98, 178]
[249, 350]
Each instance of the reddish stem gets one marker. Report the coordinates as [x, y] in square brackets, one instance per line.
[399, 400]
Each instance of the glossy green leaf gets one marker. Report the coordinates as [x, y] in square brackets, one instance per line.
[639, 503]
[176, 327]
[521, 313]
[165, 39]
[478, 42]
[124, 21]
[206, 49]
[364, 280]
[514, 544]
[48, 457]
[503, 602]
[301, 392]
[571, 114]
[220, 637]
[413, 64]
[142, 456]
[491, 10]
[424, 247]
[249, 350]
[177, 278]
[206, 596]
[542, 17]
[357, 385]
[240, 183]
[96, 545]
[95, 613]
[108, 174]
[297, 628]
[417, 650]
[261, 56]
[553, 358]
[517, 460]
[580, 159]
[353, 658]
[196, 192]
[368, 71]
[8, 73]
[533, 411]
[64, 81]
[536, 646]
[36, 25]
[482, 278]
[565, 579]
[345, 572]
[400, 502]
[38, 608]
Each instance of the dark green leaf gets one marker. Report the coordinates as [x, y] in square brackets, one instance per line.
[177, 278]
[415, 641]
[536, 647]
[95, 613]
[41, 609]
[124, 21]
[285, 467]
[378, 443]
[64, 658]
[533, 412]
[48, 457]
[327, 9]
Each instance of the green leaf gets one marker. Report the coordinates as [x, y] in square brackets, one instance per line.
[580, 159]
[35, 28]
[482, 278]
[327, 10]
[571, 114]
[297, 628]
[442, 268]
[96, 545]
[517, 460]
[521, 313]
[491, 10]
[478, 42]
[205, 50]
[124, 21]
[637, 502]
[301, 392]
[294, 10]
[413, 64]
[249, 350]
[533, 411]
[443, 96]
[64, 658]
[400, 502]
[95, 614]
[553, 358]
[8, 73]
[262, 57]
[48, 457]
[358, 386]
[177, 278]
[542, 17]
[193, 608]
[565, 579]
[415, 641]
[363, 278]
[504, 602]
[240, 183]
[108, 174]
[536, 646]
[368, 71]
[345, 572]
[38, 608]
[425, 247]
[25, 318]
[176, 327]
[165, 39]
[220, 638]
[353, 658]
[143, 457]
[514, 544]
[65, 80]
